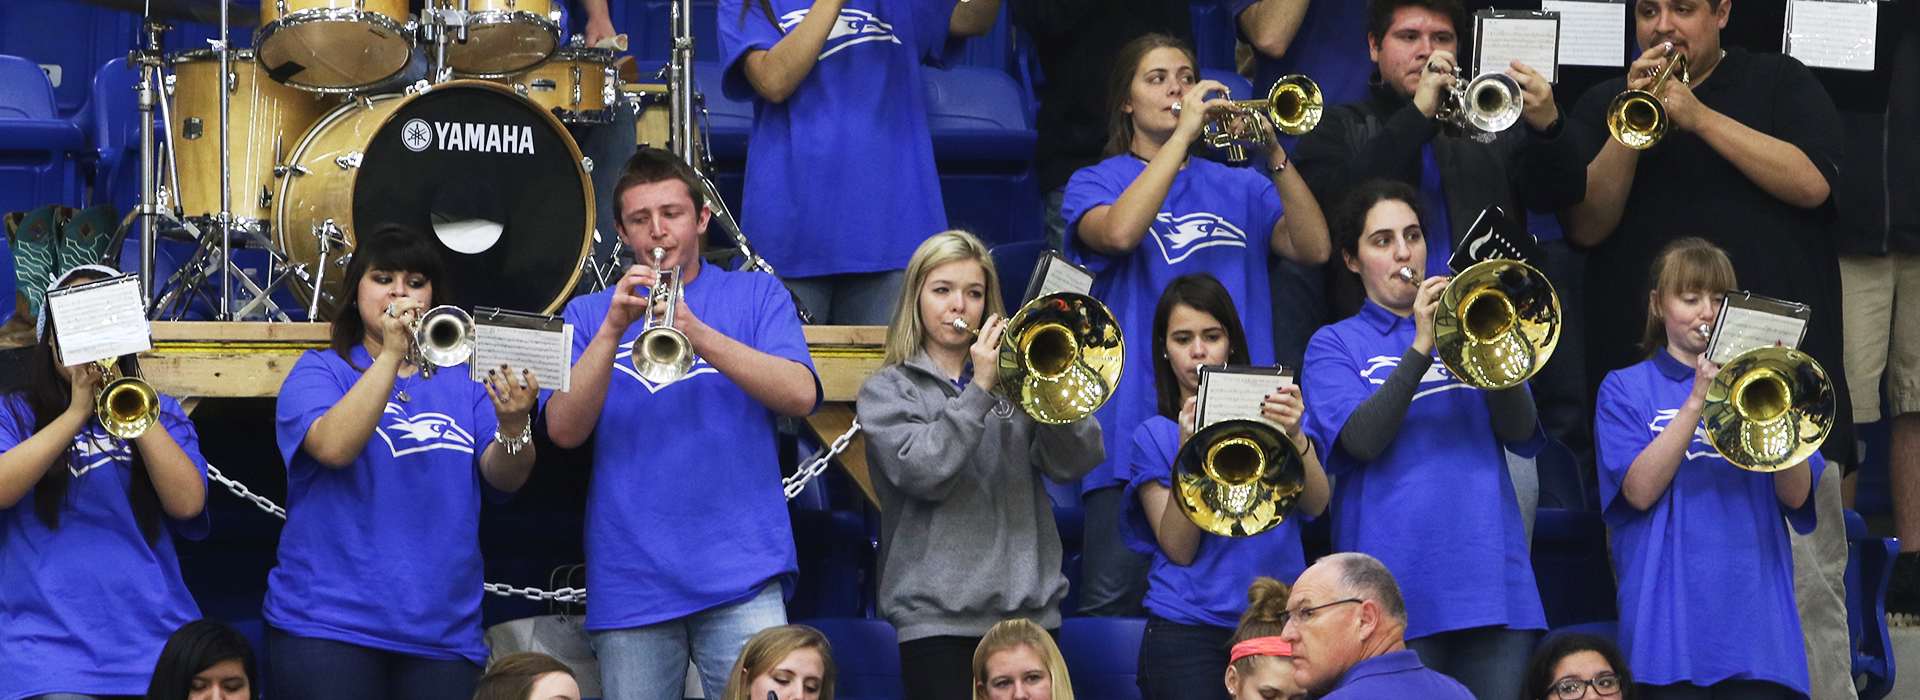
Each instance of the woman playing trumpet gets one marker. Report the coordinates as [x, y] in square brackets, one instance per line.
[93, 587]
[385, 471]
[1149, 213]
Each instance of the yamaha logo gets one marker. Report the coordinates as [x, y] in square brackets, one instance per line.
[419, 135]
[416, 135]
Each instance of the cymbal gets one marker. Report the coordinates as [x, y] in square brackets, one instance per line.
[196, 11]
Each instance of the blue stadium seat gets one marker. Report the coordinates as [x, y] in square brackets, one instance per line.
[1572, 568]
[729, 121]
[1560, 483]
[835, 560]
[1238, 87]
[983, 146]
[868, 654]
[112, 123]
[1015, 262]
[1214, 35]
[1071, 521]
[36, 167]
[1103, 655]
[993, 51]
[1869, 566]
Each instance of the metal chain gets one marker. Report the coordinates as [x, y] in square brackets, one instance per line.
[564, 595]
[798, 482]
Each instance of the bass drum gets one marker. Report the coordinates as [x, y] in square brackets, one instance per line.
[494, 179]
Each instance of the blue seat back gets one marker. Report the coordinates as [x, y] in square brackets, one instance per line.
[1103, 655]
[25, 90]
[868, 654]
[1869, 567]
[1572, 567]
[1014, 262]
[969, 97]
[1214, 35]
[835, 560]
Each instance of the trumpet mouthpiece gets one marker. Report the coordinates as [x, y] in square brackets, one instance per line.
[1406, 275]
[960, 324]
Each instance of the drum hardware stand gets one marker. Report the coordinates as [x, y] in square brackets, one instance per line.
[150, 61]
[438, 25]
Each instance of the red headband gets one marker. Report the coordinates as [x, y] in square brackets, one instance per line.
[1261, 646]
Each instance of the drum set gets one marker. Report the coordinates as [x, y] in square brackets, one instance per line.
[349, 116]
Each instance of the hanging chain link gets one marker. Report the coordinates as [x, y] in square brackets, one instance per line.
[798, 482]
[242, 491]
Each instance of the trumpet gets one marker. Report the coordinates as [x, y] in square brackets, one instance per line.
[1497, 323]
[1060, 357]
[1769, 409]
[1491, 102]
[1407, 275]
[662, 354]
[1292, 107]
[1636, 118]
[126, 406]
[1238, 478]
[442, 337]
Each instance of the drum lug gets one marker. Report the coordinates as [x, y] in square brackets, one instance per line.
[281, 5]
[280, 171]
[266, 197]
[586, 164]
[610, 90]
[194, 127]
[519, 89]
[576, 87]
[350, 160]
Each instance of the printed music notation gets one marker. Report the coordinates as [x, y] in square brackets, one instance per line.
[543, 344]
[1229, 392]
[99, 320]
[1592, 32]
[1749, 321]
[1055, 274]
[1830, 34]
[1504, 36]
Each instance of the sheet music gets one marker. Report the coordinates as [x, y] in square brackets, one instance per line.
[1056, 274]
[1591, 33]
[1532, 38]
[1236, 392]
[1832, 34]
[99, 320]
[544, 345]
[1744, 325]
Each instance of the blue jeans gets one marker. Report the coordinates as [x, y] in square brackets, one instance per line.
[609, 146]
[1489, 661]
[858, 299]
[308, 668]
[1183, 662]
[1724, 690]
[1113, 578]
[1056, 226]
[650, 662]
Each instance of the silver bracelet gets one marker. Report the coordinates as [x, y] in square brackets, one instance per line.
[517, 443]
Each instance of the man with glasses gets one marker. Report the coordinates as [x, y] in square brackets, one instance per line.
[1348, 625]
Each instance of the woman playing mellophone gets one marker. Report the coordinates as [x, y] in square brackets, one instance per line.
[92, 585]
[377, 591]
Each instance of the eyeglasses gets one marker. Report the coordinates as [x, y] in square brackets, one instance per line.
[1305, 615]
[1573, 688]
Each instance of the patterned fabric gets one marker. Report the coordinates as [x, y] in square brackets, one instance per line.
[85, 238]
[33, 242]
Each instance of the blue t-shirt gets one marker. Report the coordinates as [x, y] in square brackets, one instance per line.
[1330, 47]
[1217, 220]
[86, 608]
[404, 517]
[1706, 574]
[1394, 676]
[686, 511]
[840, 175]
[1213, 589]
[1445, 463]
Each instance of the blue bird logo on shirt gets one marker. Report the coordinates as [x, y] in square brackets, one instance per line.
[1379, 366]
[95, 449]
[1696, 449]
[854, 27]
[623, 361]
[1180, 236]
[406, 434]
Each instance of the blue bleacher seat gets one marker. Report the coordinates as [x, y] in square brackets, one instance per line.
[1214, 35]
[1869, 566]
[728, 121]
[1238, 87]
[983, 146]
[1014, 262]
[36, 167]
[835, 560]
[113, 126]
[1572, 567]
[1560, 483]
[1103, 655]
[868, 654]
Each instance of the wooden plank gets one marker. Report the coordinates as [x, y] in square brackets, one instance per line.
[249, 374]
[830, 422]
[240, 331]
[875, 336]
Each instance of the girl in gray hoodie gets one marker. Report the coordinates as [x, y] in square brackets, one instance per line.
[967, 536]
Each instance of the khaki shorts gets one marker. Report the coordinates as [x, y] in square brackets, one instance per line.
[1882, 307]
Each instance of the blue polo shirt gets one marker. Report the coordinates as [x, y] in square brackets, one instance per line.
[1445, 463]
[1217, 220]
[1396, 675]
[1213, 589]
[405, 513]
[686, 511]
[1706, 574]
[86, 608]
[840, 176]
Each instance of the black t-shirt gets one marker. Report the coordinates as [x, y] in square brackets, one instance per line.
[1077, 41]
[1682, 187]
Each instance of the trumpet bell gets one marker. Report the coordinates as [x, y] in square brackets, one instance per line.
[1294, 105]
[445, 336]
[126, 406]
[662, 355]
[1493, 102]
[1238, 478]
[1769, 409]
[1060, 357]
[1637, 119]
[1497, 324]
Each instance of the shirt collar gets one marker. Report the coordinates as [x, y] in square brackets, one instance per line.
[1732, 68]
[924, 362]
[1384, 96]
[1672, 368]
[1391, 662]
[1380, 318]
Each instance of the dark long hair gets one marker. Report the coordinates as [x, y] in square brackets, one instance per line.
[765, 9]
[1200, 292]
[47, 395]
[513, 676]
[195, 647]
[1540, 666]
[1120, 85]
[390, 247]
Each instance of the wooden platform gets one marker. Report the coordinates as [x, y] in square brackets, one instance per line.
[191, 360]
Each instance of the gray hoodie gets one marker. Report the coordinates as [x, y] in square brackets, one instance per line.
[967, 537]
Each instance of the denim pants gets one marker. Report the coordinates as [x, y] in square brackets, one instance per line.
[1489, 661]
[1113, 578]
[862, 299]
[309, 668]
[1183, 662]
[650, 662]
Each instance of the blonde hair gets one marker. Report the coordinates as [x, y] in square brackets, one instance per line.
[906, 334]
[1013, 634]
[1265, 616]
[770, 646]
[1689, 264]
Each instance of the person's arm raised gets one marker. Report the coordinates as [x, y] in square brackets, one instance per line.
[571, 415]
[776, 72]
[1270, 25]
[22, 466]
[1118, 228]
[973, 18]
[337, 437]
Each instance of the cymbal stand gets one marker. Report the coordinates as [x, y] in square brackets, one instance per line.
[150, 61]
[225, 219]
[439, 25]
